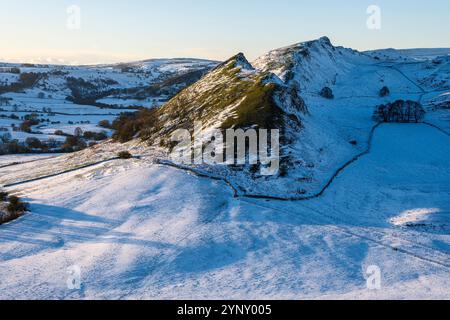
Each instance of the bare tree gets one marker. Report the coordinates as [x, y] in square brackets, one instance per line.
[78, 132]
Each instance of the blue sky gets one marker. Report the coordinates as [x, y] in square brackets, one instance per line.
[113, 30]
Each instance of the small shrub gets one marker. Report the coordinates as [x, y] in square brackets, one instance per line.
[384, 92]
[25, 126]
[59, 133]
[3, 196]
[104, 124]
[327, 93]
[255, 168]
[16, 207]
[124, 155]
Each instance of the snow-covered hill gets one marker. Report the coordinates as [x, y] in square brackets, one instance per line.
[373, 196]
[319, 135]
[138, 230]
[409, 55]
[67, 97]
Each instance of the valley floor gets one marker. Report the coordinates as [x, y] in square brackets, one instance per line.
[142, 231]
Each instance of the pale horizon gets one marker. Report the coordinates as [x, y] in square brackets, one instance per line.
[61, 61]
[118, 32]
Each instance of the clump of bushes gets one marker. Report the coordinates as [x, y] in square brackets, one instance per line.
[327, 93]
[33, 143]
[12, 147]
[400, 111]
[124, 155]
[3, 196]
[29, 121]
[26, 80]
[104, 124]
[73, 143]
[128, 125]
[96, 136]
[16, 206]
[15, 70]
[87, 92]
[59, 133]
[26, 125]
[11, 207]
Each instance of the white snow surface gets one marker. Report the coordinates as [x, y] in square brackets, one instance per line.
[139, 230]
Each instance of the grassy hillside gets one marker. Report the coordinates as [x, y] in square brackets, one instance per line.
[233, 95]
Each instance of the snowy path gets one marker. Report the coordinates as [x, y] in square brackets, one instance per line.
[147, 231]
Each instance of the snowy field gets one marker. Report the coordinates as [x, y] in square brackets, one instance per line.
[138, 230]
[64, 115]
[119, 87]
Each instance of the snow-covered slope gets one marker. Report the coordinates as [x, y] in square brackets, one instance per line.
[141, 229]
[409, 55]
[313, 65]
[138, 230]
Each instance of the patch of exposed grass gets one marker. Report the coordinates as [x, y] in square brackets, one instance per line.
[257, 109]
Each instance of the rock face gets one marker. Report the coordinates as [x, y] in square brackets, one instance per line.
[312, 65]
[400, 111]
[327, 93]
[384, 92]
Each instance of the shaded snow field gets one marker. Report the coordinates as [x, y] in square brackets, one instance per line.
[138, 230]
[22, 158]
